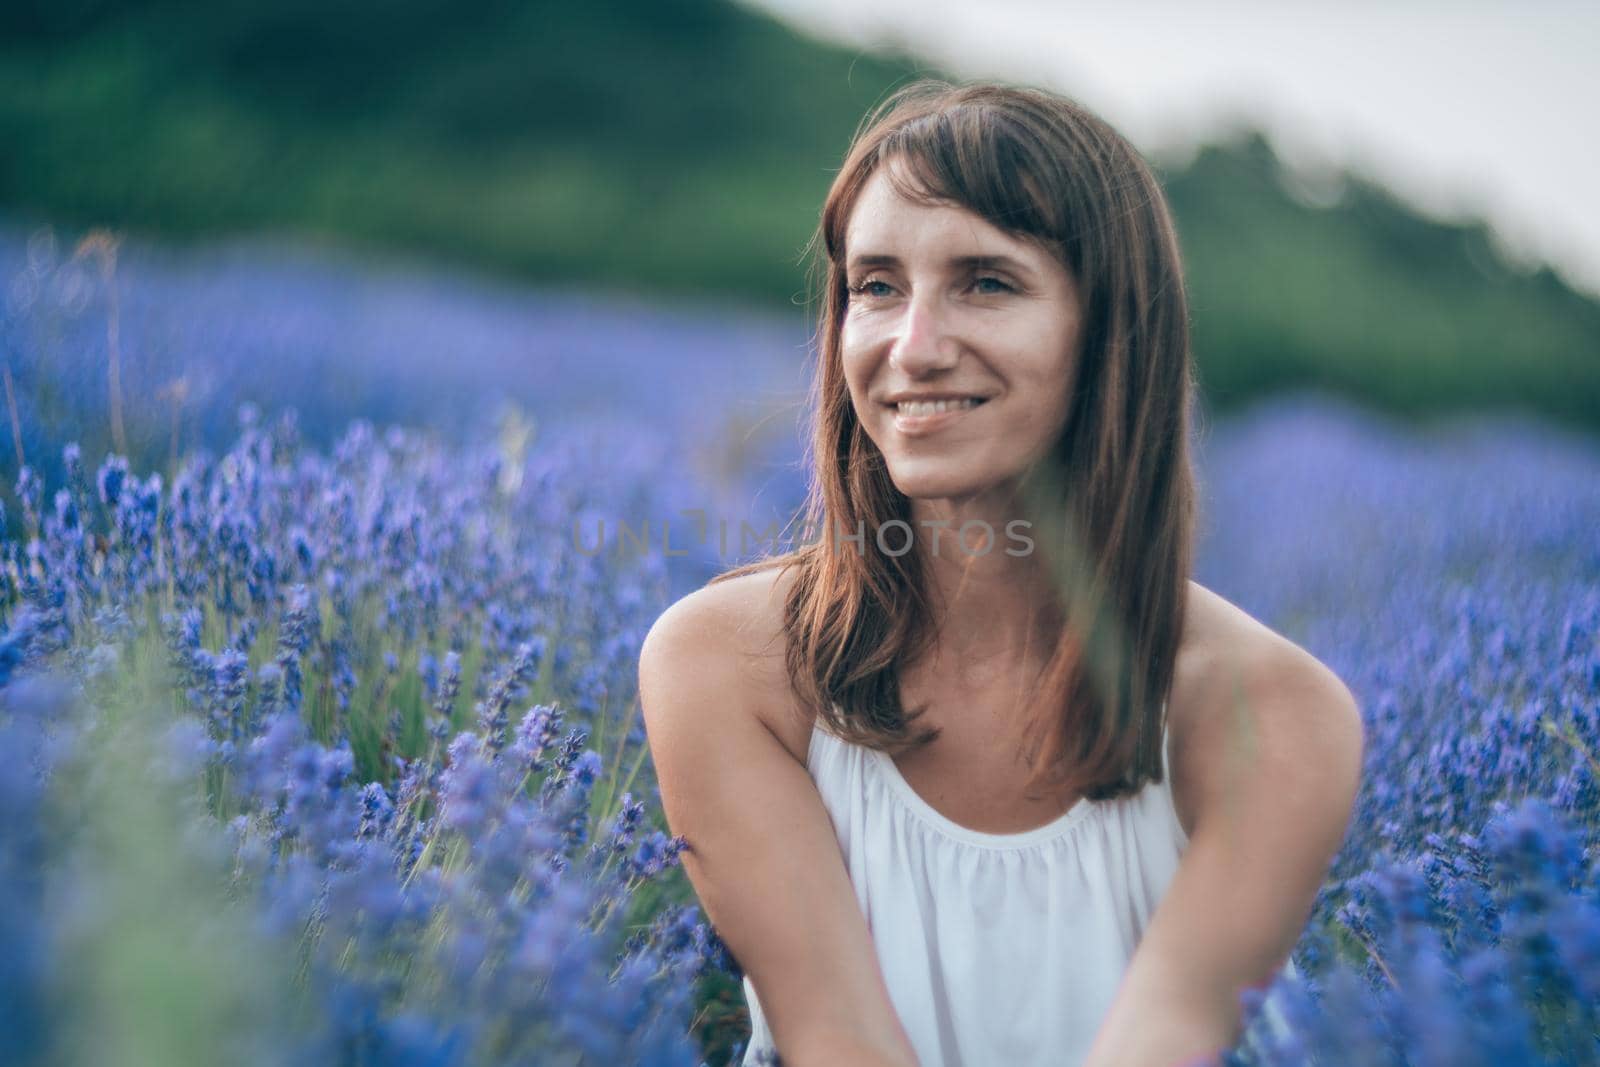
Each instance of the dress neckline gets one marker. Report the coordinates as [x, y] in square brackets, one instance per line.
[943, 824]
[981, 838]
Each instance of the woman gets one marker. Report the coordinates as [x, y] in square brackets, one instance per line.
[925, 784]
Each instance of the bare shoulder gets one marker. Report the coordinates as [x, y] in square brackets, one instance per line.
[1248, 701]
[730, 634]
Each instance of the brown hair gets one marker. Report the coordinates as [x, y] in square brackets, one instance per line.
[1117, 491]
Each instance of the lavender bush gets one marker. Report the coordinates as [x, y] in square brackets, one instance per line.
[1452, 578]
[193, 333]
[399, 693]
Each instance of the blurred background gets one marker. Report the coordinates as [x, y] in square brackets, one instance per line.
[420, 212]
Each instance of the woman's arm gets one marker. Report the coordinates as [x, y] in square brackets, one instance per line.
[762, 853]
[1269, 761]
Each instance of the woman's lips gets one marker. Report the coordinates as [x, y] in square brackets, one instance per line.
[923, 425]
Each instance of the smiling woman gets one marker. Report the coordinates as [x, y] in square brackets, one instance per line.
[1122, 792]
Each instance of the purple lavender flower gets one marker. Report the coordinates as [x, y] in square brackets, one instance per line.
[110, 479]
[29, 493]
[536, 734]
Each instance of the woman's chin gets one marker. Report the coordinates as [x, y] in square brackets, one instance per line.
[925, 487]
[928, 478]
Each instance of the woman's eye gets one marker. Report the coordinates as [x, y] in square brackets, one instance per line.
[986, 285]
[870, 287]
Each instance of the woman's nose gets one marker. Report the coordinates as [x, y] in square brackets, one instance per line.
[921, 344]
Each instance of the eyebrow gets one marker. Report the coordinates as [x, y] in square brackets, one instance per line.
[874, 260]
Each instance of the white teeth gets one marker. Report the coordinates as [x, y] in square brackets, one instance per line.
[934, 407]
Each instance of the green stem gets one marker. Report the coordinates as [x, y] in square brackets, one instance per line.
[1569, 734]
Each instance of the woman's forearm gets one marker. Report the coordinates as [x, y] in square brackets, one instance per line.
[838, 1048]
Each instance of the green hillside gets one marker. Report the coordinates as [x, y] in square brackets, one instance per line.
[685, 147]
[1368, 298]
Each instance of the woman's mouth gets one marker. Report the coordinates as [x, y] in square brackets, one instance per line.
[916, 418]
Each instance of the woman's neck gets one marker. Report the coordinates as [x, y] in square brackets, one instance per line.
[990, 618]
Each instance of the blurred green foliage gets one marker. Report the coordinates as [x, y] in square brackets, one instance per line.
[1346, 288]
[685, 147]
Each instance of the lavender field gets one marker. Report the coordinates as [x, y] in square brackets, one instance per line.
[320, 736]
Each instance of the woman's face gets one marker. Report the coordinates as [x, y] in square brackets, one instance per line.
[942, 304]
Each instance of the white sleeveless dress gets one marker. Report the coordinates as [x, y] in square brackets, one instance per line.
[996, 948]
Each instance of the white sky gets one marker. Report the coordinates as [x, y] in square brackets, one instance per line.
[1484, 109]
